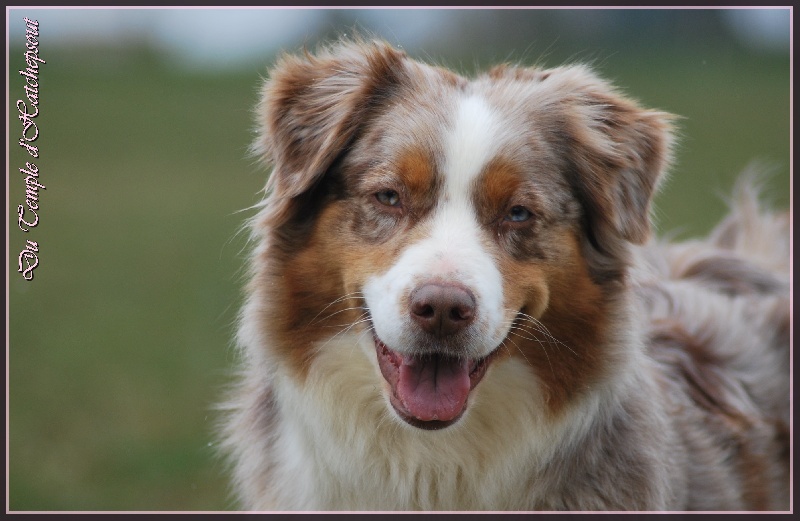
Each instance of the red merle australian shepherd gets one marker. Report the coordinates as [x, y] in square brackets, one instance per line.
[455, 303]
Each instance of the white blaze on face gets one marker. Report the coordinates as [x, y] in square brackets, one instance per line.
[454, 250]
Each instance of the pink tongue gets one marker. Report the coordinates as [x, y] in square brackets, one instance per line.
[434, 388]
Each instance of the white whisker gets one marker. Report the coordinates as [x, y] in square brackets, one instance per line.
[532, 324]
[355, 294]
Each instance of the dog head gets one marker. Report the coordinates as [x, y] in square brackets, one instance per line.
[457, 222]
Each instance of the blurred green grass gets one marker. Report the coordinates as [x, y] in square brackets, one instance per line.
[120, 345]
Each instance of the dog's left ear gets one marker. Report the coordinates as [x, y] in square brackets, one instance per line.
[618, 153]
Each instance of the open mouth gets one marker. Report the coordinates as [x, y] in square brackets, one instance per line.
[429, 391]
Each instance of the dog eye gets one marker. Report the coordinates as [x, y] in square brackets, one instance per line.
[518, 214]
[388, 198]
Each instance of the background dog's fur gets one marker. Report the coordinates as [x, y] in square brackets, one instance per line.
[694, 415]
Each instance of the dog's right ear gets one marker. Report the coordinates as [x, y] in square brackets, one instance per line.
[311, 108]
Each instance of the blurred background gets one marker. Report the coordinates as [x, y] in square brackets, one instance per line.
[121, 344]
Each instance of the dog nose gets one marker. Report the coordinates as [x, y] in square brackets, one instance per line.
[442, 310]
